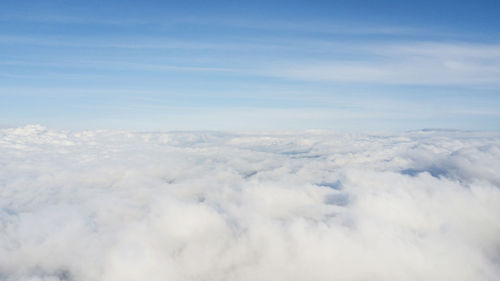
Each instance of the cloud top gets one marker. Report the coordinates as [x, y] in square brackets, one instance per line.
[116, 205]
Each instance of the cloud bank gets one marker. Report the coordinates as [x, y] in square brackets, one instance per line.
[114, 205]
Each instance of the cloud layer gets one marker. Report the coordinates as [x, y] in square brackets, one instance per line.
[113, 205]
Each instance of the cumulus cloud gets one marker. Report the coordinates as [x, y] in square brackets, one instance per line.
[115, 205]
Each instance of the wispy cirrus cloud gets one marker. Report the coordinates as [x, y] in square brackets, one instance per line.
[382, 62]
[275, 64]
[311, 26]
[420, 63]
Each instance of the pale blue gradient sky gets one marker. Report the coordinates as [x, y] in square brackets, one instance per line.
[341, 65]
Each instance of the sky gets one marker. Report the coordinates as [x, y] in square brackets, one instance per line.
[253, 65]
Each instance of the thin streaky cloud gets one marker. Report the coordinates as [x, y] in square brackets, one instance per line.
[269, 25]
[417, 62]
[66, 19]
[127, 43]
[430, 63]
[437, 49]
[314, 27]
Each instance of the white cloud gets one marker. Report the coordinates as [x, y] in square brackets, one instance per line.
[114, 205]
[420, 63]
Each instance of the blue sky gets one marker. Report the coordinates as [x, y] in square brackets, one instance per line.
[254, 65]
